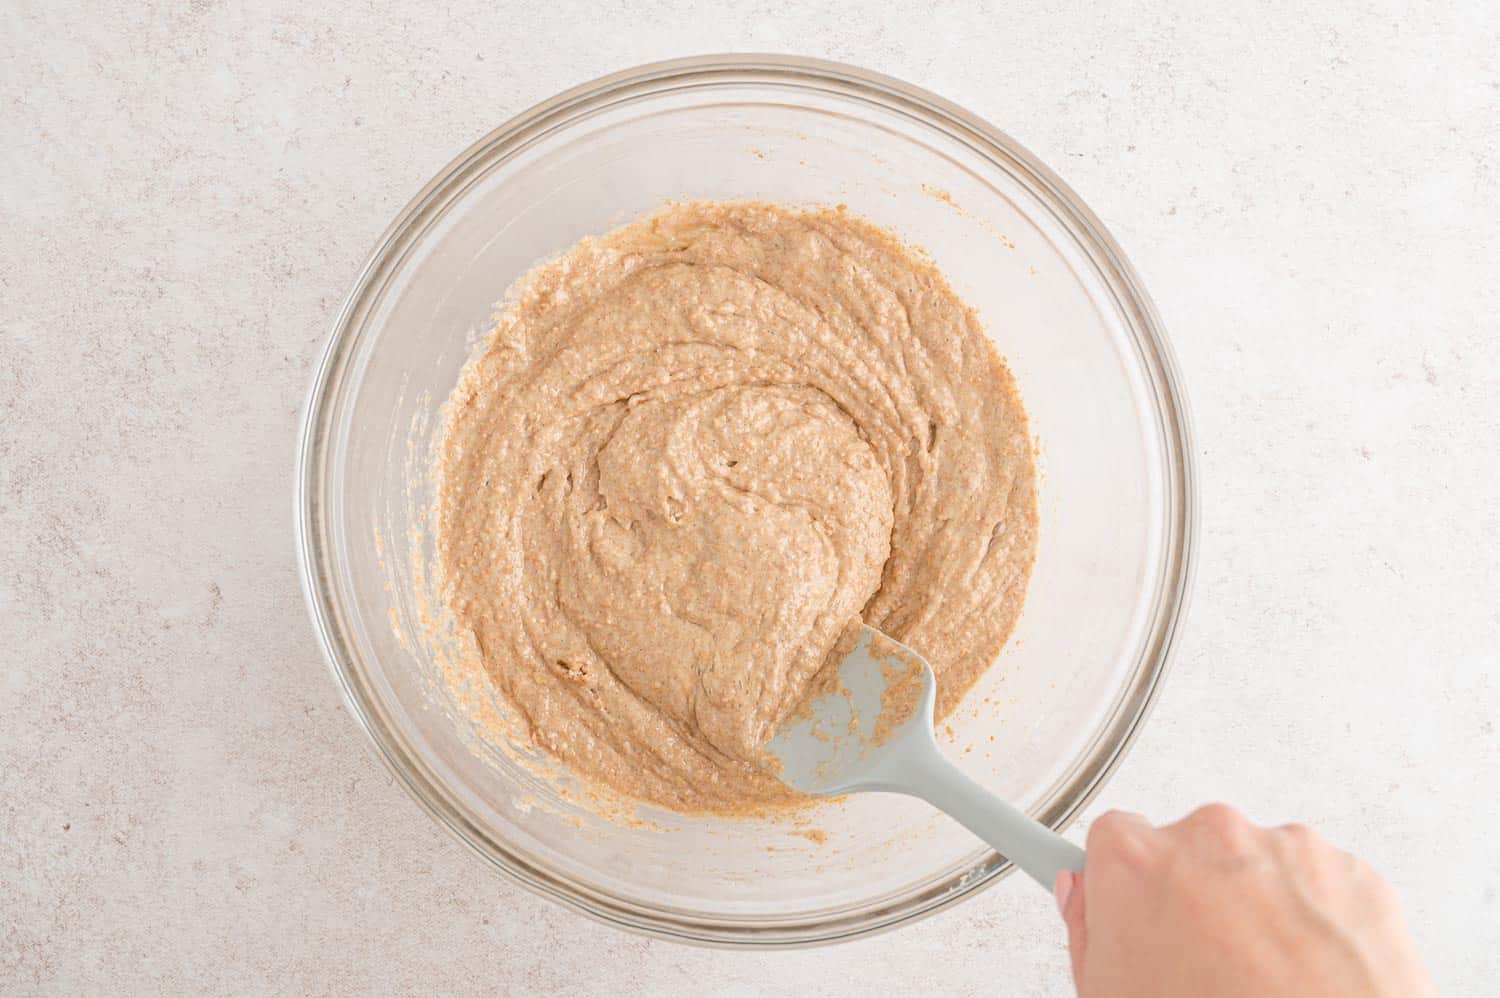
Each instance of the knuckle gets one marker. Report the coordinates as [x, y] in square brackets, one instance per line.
[1300, 836]
[1109, 826]
[1218, 818]
[1222, 825]
[1115, 835]
[1325, 872]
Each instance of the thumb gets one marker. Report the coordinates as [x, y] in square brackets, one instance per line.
[1068, 890]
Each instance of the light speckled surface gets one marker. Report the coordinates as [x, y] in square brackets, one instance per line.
[1312, 196]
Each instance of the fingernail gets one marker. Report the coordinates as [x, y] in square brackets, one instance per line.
[1062, 889]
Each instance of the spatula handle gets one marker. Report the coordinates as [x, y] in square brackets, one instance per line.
[1033, 847]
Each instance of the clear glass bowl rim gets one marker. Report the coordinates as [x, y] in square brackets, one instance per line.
[312, 508]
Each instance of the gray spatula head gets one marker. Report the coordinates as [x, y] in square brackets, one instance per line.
[873, 731]
[842, 740]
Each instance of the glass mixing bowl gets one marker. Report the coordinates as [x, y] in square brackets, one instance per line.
[1046, 725]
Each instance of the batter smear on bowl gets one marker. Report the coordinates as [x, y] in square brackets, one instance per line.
[691, 453]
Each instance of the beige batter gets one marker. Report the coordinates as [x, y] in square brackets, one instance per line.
[692, 452]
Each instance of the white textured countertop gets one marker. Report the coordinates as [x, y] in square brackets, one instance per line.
[1313, 198]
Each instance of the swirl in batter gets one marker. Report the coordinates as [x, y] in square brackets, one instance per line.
[696, 449]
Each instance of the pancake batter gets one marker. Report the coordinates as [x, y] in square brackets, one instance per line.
[696, 449]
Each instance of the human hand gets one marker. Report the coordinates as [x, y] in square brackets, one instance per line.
[1214, 905]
